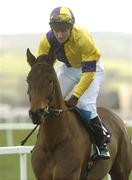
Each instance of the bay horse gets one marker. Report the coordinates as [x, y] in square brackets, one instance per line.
[63, 146]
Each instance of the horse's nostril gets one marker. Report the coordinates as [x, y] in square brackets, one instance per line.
[35, 117]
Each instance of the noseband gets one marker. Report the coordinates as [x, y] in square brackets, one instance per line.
[44, 113]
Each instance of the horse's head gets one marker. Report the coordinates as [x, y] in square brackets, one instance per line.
[41, 85]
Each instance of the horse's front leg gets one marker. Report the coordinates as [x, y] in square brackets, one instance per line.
[41, 165]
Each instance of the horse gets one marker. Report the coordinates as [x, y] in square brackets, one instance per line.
[63, 146]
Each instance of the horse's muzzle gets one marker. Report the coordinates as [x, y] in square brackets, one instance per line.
[36, 116]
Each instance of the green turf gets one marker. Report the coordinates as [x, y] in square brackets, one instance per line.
[9, 164]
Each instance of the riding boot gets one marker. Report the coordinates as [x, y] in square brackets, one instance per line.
[97, 131]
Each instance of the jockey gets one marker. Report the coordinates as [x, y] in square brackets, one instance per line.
[82, 70]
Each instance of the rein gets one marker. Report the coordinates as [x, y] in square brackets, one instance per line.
[27, 137]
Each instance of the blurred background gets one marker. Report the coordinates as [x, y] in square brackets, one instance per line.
[23, 24]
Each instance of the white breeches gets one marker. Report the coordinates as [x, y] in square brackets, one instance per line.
[69, 77]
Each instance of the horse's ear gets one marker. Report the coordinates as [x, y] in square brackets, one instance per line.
[31, 59]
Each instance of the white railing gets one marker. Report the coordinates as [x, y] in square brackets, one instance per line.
[22, 151]
[16, 126]
[8, 114]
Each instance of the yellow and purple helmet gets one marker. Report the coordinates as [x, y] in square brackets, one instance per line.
[61, 18]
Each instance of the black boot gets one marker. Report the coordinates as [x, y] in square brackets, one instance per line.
[99, 135]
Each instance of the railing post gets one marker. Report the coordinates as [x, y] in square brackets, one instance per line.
[23, 166]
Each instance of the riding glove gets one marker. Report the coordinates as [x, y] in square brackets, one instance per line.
[72, 101]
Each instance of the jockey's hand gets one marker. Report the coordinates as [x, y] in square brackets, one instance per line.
[72, 101]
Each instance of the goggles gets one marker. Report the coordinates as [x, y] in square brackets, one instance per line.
[60, 26]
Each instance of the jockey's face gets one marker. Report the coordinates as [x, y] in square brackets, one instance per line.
[62, 35]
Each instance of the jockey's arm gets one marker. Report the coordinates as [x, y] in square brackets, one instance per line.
[90, 55]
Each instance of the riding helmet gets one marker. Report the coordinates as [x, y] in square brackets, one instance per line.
[61, 18]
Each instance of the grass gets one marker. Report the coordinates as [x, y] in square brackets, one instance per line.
[9, 164]
[9, 168]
